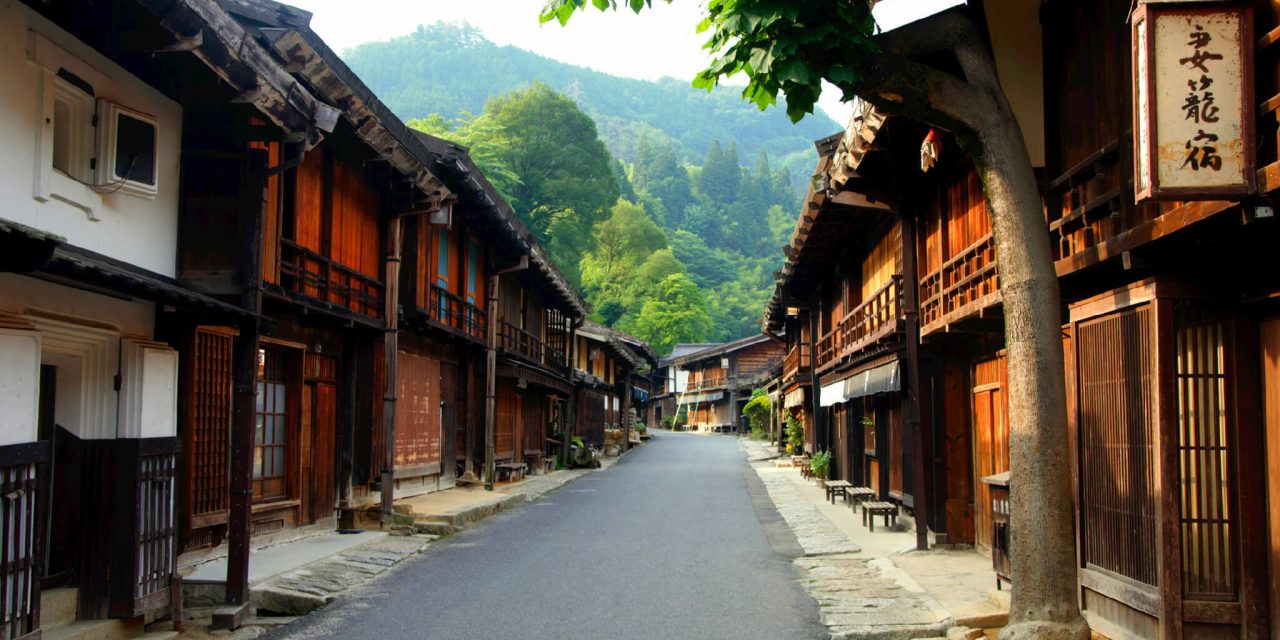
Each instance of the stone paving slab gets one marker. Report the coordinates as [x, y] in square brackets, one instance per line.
[860, 597]
[815, 533]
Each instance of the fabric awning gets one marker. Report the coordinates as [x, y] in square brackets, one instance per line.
[794, 398]
[832, 394]
[704, 397]
[881, 379]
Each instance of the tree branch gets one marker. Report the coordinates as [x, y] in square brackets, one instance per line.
[900, 86]
[951, 31]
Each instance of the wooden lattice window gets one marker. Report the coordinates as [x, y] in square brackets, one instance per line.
[211, 422]
[1117, 444]
[1204, 455]
[271, 431]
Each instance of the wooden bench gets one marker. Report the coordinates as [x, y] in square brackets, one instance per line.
[806, 471]
[857, 495]
[513, 470]
[836, 488]
[872, 509]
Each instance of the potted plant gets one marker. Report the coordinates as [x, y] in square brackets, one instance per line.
[819, 465]
[795, 435]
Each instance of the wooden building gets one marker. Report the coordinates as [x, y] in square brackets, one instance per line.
[104, 336]
[603, 368]
[200, 312]
[1168, 318]
[721, 378]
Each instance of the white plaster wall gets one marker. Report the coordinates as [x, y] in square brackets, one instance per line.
[19, 385]
[80, 334]
[136, 230]
[21, 295]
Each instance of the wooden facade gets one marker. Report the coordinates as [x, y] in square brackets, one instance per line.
[1166, 308]
[722, 377]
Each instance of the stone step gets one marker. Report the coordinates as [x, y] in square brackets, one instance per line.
[58, 607]
[435, 527]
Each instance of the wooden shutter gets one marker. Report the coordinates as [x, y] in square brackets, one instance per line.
[209, 434]
[1117, 434]
[418, 414]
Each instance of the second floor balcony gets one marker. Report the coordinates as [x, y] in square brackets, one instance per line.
[317, 277]
[797, 365]
[878, 318]
[707, 383]
[966, 284]
[450, 311]
[515, 341]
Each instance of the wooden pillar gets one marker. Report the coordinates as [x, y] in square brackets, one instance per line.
[491, 383]
[624, 408]
[915, 425]
[391, 344]
[245, 363]
[571, 406]
[820, 436]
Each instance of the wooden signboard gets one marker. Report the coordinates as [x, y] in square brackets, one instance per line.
[1193, 101]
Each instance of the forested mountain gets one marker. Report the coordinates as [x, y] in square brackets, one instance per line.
[451, 70]
[666, 205]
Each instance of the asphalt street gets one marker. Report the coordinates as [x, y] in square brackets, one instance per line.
[676, 541]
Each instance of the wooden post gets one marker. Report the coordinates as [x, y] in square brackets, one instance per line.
[571, 408]
[911, 313]
[491, 383]
[820, 439]
[625, 406]
[245, 364]
[391, 348]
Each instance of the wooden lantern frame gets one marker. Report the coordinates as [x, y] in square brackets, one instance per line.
[1143, 19]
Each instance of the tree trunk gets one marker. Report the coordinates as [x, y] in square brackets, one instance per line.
[974, 107]
[1042, 547]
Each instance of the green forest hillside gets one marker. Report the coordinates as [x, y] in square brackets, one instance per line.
[666, 205]
[451, 70]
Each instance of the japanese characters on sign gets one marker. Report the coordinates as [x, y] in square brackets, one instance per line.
[1191, 103]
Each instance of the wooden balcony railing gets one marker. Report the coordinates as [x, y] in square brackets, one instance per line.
[968, 278]
[517, 341]
[20, 497]
[712, 382]
[796, 364]
[879, 316]
[305, 272]
[452, 311]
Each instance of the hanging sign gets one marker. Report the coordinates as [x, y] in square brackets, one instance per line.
[1192, 97]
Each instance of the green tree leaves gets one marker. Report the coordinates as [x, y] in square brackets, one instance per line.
[783, 46]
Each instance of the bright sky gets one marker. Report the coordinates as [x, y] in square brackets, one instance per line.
[659, 42]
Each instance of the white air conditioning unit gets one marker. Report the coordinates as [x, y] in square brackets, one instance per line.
[127, 149]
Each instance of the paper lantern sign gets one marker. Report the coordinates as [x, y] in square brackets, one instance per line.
[1193, 101]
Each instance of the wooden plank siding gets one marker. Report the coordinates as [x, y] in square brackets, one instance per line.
[418, 423]
[509, 416]
[1270, 356]
[990, 439]
[957, 263]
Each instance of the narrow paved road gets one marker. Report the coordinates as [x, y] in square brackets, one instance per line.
[670, 543]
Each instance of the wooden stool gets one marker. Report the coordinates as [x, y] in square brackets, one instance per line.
[856, 495]
[836, 487]
[872, 509]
